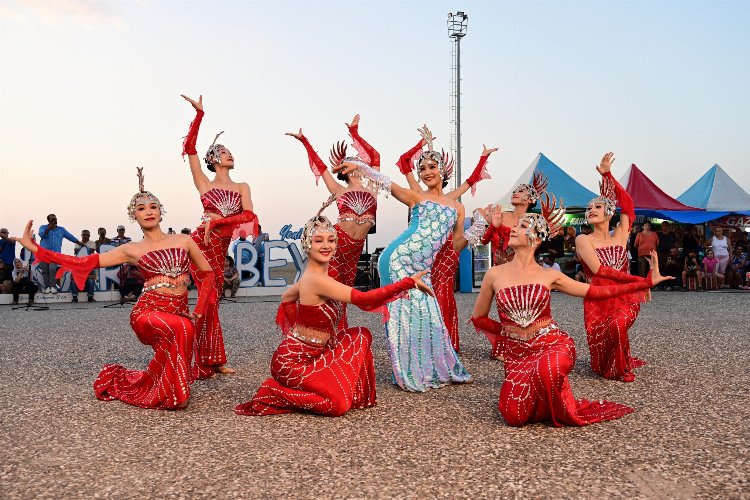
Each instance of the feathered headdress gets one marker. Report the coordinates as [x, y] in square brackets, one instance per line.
[318, 224]
[213, 155]
[142, 197]
[534, 190]
[608, 197]
[548, 224]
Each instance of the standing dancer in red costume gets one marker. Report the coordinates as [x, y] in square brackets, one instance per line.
[319, 366]
[605, 261]
[160, 318]
[228, 210]
[357, 203]
[537, 355]
[443, 271]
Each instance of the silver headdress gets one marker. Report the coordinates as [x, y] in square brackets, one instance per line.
[608, 198]
[213, 155]
[535, 190]
[142, 197]
[318, 224]
[548, 224]
[370, 177]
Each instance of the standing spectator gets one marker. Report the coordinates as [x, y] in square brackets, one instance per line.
[736, 268]
[102, 240]
[645, 242]
[679, 238]
[720, 245]
[21, 281]
[258, 244]
[691, 242]
[632, 251]
[51, 237]
[131, 282]
[666, 242]
[85, 247]
[231, 276]
[6, 277]
[674, 266]
[120, 239]
[7, 248]
[710, 263]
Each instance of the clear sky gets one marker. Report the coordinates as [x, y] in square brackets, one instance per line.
[90, 90]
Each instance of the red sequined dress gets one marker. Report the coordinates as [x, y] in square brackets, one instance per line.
[443, 275]
[608, 321]
[538, 357]
[210, 340]
[162, 321]
[327, 379]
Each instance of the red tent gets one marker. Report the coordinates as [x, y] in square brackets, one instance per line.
[647, 195]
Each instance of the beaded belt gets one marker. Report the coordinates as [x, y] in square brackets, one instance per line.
[312, 337]
[162, 281]
[535, 329]
[365, 219]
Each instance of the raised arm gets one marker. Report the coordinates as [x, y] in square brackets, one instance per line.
[200, 179]
[624, 200]
[319, 169]
[383, 182]
[365, 150]
[479, 173]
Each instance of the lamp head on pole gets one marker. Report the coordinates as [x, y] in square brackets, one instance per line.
[457, 24]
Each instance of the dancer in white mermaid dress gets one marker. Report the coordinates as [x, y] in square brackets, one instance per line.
[419, 344]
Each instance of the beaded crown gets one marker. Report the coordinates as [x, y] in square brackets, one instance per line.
[608, 198]
[142, 197]
[318, 224]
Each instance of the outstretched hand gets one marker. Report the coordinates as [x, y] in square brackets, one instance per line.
[421, 284]
[355, 121]
[345, 168]
[198, 105]
[427, 137]
[27, 240]
[487, 152]
[656, 276]
[297, 136]
[606, 164]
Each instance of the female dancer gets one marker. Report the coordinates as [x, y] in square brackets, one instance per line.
[605, 261]
[160, 318]
[445, 266]
[537, 355]
[357, 204]
[419, 345]
[320, 367]
[228, 210]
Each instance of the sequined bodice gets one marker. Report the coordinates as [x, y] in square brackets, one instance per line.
[357, 206]
[222, 201]
[170, 262]
[614, 256]
[522, 305]
[322, 317]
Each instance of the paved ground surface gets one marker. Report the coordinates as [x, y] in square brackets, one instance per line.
[688, 438]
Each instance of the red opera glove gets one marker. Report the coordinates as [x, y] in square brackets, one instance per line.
[366, 152]
[406, 162]
[245, 221]
[80, 267]
[207, 295]
[316, 164]
[286, 316]
[479, 173]
[492, 329]
[613, 274]
[375, 300]
[624, 200]
[499, 236]
[188, 145]
[609, 291]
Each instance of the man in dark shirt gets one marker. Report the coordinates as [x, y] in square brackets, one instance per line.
[7, 248]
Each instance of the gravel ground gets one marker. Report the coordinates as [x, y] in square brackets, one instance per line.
[688, 438]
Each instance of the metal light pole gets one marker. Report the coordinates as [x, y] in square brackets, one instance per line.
[457, 26]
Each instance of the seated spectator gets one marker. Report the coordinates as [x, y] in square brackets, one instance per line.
[692, 271]
[21, 281]
[673, 266]
[102, 240]
[120, 239]
[580, 274]
[90, 247]
[185, 230]
[548, 262]
[735, 276]
[710, 268]
[231, 276]
[131, 282]
[6, 277]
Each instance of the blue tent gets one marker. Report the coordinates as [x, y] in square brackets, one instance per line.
[715, 191]
[562, 185]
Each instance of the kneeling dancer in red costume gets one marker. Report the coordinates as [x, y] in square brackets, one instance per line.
[537, 355]
[319, 367]
[160, 318]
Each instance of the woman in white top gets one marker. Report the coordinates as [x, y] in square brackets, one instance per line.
[720, 246]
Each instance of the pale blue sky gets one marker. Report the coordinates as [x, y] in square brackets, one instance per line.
[89, 91]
